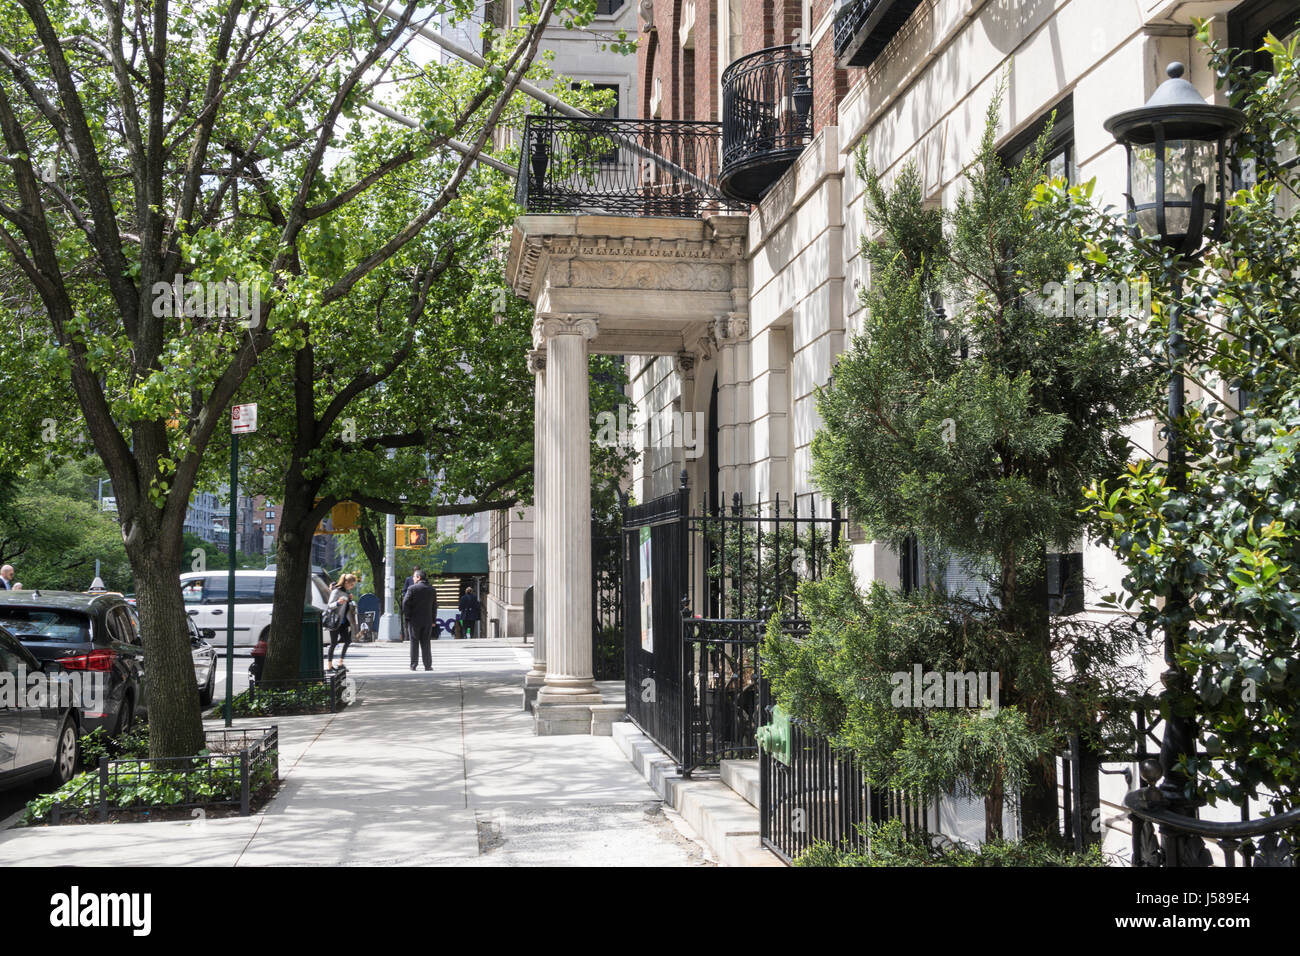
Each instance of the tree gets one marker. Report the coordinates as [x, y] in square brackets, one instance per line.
[163, 157]
[1229, 539]
[52, 530]
[975, 431]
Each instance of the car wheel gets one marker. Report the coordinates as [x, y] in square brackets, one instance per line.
[65, 754]
[205, 695]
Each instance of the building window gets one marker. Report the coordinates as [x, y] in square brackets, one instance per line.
[270, 512]
[610, 112]
[1247, 27]
[1059, 158]
[270, 529]
[607, 8]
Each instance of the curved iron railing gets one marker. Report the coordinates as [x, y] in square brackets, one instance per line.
[766, 118]
[620, 167]
[1185, 837]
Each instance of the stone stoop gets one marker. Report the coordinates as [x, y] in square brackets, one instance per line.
[742, 777]
[724, 819]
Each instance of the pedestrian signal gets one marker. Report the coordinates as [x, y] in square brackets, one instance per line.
[412, 536]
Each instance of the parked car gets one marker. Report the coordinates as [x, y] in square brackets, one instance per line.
[35, 742]
[206, 602]
[92, 633]
[205, 662]
[205, 655]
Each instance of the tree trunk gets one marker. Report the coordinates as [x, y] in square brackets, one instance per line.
[373, 548]
[993, 805]
[1039, 804]
[292, 578]
[175, 725]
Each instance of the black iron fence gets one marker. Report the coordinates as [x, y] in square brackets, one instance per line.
[607, 655]
[1159, 836]
[750, 559]
[721, 678]
[820, 795]
[621, 167]
[296, 695]
[238, 765]
[699, 591]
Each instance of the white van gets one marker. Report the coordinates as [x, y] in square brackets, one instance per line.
[206, 601]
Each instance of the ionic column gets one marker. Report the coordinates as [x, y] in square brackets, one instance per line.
[535, 677]
[567, 526]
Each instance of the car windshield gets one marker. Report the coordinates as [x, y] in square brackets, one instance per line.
[46, 624]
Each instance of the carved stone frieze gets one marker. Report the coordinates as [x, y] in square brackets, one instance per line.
[677, 276]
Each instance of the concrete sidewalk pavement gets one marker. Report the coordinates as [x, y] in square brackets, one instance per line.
[425, 768]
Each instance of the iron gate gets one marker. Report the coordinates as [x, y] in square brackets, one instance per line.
[655, 566]
[699, 591]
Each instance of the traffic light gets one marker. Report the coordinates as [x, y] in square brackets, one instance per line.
[343, 518]
[412, 536]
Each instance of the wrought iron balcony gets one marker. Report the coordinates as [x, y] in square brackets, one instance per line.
[863, 28]
[766, 119]
[621, 167]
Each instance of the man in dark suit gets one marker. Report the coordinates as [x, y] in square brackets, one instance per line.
[419, 606]
[469, 611]
[410, 579]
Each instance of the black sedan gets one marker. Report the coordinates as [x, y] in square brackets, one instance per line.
[35, 741]
[91, 635]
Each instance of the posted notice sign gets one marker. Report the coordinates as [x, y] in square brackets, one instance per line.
[243, 419]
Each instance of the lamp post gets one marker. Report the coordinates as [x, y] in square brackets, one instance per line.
[1177, 148]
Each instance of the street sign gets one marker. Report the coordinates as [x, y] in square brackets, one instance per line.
[108, 503]
[243, 419]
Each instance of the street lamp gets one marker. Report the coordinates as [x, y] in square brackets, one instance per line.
[1177, 147]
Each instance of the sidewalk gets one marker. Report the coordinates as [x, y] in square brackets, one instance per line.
[425, 768]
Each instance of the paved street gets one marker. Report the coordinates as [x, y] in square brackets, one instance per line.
[426, 768]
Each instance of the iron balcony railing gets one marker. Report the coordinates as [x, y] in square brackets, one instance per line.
[616, 167]
[766, 118]
[863, 28]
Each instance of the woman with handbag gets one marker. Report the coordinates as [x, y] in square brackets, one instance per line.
[341, 617]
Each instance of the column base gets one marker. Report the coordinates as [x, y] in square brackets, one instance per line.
[569, 690]
[533, 682]
[552, 719]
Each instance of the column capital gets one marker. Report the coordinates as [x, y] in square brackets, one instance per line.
[546, 325]
[537, 361]
[730, 327]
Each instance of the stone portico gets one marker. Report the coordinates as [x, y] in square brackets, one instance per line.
[614, 285]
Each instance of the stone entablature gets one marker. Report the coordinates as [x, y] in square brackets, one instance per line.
[602, 266]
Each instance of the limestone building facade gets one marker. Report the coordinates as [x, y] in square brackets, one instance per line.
[907, 81]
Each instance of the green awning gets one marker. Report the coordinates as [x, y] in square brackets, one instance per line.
[459, 558]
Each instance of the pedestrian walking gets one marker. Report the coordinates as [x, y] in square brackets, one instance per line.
[419, 607]
[341, 597]
[401, 601]
[469, 611]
